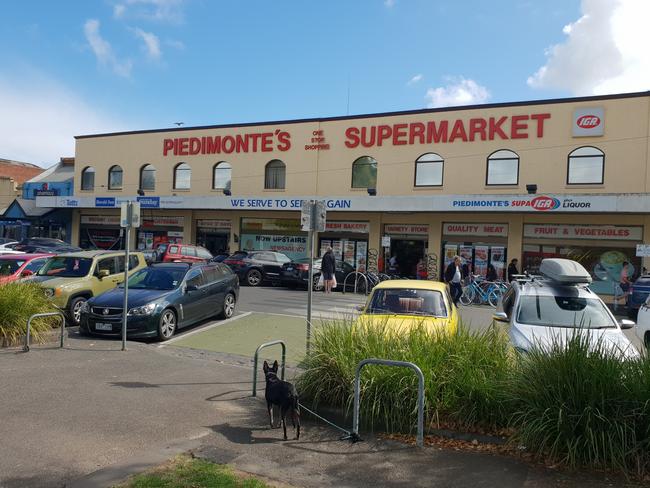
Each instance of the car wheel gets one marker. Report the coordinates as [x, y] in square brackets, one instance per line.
[75, 310]
[228, 309]
[254, 277]
[166, 325]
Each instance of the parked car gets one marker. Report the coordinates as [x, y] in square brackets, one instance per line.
[296, 273]
[639, 292]
[71, 279]
[256, 267]
[6, 240]
[552, 308]
[150, 256]
[400, 304]
[642, 329]
[219, 258]
[163, 298]
[14, 267]
[45, 245]
[9, 248]
[182, 253]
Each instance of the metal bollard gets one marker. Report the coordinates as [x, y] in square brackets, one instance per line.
[357, 394]
[256, 360]
[49, 314]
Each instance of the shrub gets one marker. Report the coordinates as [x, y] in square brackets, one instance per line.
[584, 405]
[18, 301]
[464, 374]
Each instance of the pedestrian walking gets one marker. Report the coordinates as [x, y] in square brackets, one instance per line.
[327, 269]
[512, 270]
[452, 277]
[624, 280]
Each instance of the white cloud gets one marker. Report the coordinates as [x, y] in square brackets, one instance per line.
[606, 50]
[40, 119]
[458, 91]
[151, 43]
[175, 44]
[389, 3]
[415, 79]
[103, 50]
[154, 10]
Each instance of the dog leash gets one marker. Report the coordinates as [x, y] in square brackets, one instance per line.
[349, 436]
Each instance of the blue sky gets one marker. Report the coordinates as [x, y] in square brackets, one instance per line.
[79, 67]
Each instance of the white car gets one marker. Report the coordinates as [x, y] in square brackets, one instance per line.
[7, 248]
[642, 329]
[551, 309]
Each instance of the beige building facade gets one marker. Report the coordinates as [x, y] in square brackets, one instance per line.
[566, 177]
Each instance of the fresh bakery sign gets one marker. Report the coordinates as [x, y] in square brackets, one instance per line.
[601, 232]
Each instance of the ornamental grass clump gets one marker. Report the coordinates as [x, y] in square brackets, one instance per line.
[583, 404]
[464, 374]
[19, 301]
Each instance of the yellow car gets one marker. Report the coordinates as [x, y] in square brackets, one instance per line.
[399, 304]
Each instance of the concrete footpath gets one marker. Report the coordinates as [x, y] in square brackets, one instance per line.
[90, 415]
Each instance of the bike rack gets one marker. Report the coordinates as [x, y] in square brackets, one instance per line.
[354, 435]
[355, 273]
[48, 314]
[256, 360]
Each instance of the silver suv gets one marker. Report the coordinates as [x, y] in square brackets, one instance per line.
[548, 309]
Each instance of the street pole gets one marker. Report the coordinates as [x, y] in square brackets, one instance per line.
[125, 310]
[310, 286]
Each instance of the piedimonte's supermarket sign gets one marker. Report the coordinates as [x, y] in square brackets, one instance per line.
[604, 203]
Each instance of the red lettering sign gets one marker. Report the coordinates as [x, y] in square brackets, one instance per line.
[240, 143]
[588, 121]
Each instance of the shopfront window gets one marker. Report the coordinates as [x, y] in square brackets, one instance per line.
[88, 178]
[428, 170]
[364, 173]
[148, 178]
[182, 176]
[115, 178]
[503, 168]
[274, 175]
[586, 166]
[221, 178]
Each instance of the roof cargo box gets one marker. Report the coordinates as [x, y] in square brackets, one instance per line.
[564, 271]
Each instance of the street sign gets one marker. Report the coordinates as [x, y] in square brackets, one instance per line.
[305, 216]
[320, 216]
[643, 250]
[313, 216]
[132, 218]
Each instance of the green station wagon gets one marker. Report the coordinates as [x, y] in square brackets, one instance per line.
[72, 278]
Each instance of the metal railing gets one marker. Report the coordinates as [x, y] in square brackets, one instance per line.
[387, 362]
[256, 360]
[37, 315]
[357, 275]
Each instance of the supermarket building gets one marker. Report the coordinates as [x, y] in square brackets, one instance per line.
[525, 180]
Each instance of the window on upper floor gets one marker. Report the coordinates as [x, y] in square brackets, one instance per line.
[275, 175]
[502, 168]
[221, 176]
[115, 178]
[586, 166]
[148, 177]
[88, 178]
[182, 176]
[429, 169]
[364, 172]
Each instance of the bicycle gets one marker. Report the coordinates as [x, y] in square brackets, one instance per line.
[486, 292]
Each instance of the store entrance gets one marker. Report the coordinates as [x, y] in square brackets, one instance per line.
[408, 252]
[215, 243]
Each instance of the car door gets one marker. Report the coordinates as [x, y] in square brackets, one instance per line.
[114, 276]
[193, 300]
[270, 264]
[216, 287]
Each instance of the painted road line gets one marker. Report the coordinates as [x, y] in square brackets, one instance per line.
[203, 329]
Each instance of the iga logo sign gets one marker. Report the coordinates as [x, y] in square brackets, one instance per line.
[544, 203]
[588, 121]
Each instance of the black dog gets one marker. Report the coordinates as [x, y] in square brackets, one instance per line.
[283, 394]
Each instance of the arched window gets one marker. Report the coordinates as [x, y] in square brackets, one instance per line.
[586, 166]
[115, 178]
[148, 177]
[88, 178]
[429, 169]
[221, 176]
[364, 173]
[274, 175]
[502, 168]
[182, 176]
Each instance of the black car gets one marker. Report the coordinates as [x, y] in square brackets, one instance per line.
[296, 273]
[35, 245]
[163, 297]
[255, 267]
[638, 294]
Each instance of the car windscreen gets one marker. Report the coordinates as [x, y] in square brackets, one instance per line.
[10, 266]
[157, 278]
[407, 301]
[66, 267]
[564, 311]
